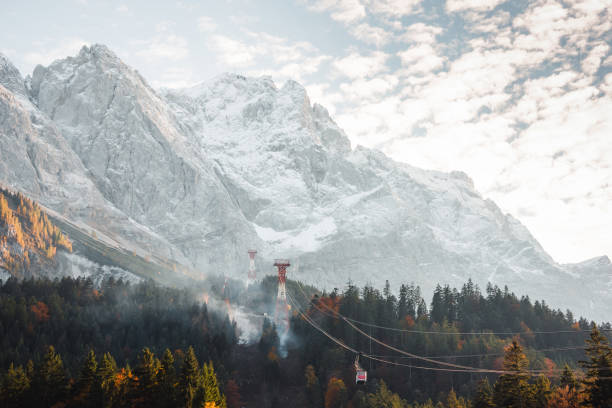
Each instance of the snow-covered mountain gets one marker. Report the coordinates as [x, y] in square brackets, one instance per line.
[198, 176]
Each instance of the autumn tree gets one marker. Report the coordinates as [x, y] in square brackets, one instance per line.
[14, 387]
[512, 390]
[313, 387]
[336, 395]
[484, 395]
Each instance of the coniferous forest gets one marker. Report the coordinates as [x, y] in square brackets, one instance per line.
[67, 343]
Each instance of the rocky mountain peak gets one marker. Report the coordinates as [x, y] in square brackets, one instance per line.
[10, 77]
[202, 174]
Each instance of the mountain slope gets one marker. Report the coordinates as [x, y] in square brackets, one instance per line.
[200, 175]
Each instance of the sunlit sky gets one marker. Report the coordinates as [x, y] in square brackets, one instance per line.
[517, 94]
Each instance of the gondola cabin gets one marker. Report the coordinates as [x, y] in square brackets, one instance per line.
[361, 377]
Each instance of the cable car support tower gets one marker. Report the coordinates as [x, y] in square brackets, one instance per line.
[281, 315]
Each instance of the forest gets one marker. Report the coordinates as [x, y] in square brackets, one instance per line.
[28, 239]
[69, 343]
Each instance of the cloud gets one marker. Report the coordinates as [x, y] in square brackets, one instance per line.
[394, 8]
[356, 66]
[206, 24]
[49, 50]
[122, 9]
[260, 53]
[371, 35]
[421, 59]
[164, 46]
[471, 5]
[345, 11]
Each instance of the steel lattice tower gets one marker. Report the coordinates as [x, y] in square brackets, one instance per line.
[281, 315]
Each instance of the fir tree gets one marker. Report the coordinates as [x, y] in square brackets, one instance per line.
[189, 379]
[167, 380]
[212, 393]
[568, 379]
[87, 377]
[598, 382]
[146, 372]
[14, 388]
[513, 390]
[50, 384]
[484, 395]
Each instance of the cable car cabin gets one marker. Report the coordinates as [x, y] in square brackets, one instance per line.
[361, 377]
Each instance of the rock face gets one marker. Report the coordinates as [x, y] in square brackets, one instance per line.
[200, 175]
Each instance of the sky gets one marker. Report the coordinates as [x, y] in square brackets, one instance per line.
[517, 94]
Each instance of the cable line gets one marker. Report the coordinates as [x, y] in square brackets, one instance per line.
[375, 358]
[446, 333]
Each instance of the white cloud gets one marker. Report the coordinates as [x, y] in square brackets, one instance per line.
[46, 53]
[122, 9]
[593, 61]
[297, 57]
[395, 8]
[421, 59]
[357, 66]
[362, 90]
[165, 46]
[471, 5]
[345, 11]
[370, 34]
[206, 24]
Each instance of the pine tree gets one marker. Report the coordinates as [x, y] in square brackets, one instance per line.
[542, 391]
[168, 381]
[103, 386]
[513, 390]
[86, 380]
[484, 395]
[598, 382]
[146, 371]
[189, 379]
[212, 393]
[50, 384]
[452, 401]
[14, 388]
[568, 379]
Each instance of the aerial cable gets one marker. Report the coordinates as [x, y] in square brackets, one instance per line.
[429, 360]
[467, 370]
[443, 333]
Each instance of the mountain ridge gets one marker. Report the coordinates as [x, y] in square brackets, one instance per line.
[200, 175]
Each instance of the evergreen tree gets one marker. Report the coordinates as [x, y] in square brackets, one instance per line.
[542, 391]
[146, 384]
[104, 386]
[87, 377]
[50, 384]
[167, 381]
[384, 398]
[598, 382]
[484, 395]
[212, 393]
[513, 390]
[14, 387]
[568, 379]
[188, 382]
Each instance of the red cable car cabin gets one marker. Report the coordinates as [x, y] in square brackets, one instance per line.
[361, 377]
